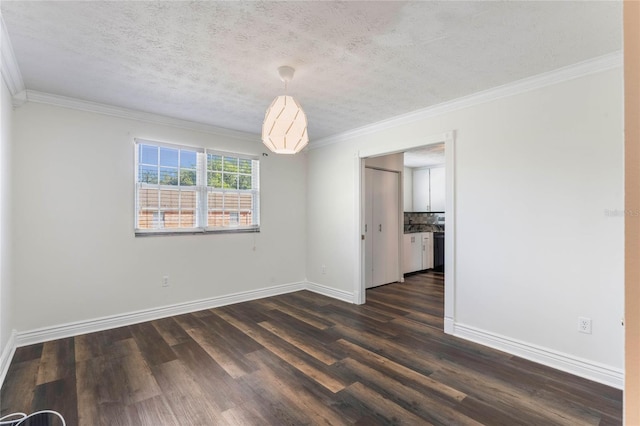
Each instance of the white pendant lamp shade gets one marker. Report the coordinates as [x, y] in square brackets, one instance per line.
[285, 126]
[284, 130]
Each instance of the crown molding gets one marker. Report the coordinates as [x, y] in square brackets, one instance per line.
[79, 104]
[581, 69]
[9, 66]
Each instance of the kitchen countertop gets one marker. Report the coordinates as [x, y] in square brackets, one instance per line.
[423, 222]
[422, 227]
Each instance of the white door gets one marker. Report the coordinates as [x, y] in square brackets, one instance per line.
[382, 227]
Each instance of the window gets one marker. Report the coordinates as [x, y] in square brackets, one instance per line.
[186, 189]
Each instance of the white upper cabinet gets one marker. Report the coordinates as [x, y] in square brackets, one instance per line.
[421, 190]
[436, 185]
[428, 190]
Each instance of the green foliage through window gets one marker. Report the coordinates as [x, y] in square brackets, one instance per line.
[229, 172]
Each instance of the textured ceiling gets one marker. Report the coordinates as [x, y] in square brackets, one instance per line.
[356, 62]
[430, 155]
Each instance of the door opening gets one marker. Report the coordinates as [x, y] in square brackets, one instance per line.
[364, 276]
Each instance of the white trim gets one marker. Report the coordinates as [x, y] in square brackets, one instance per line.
[359, 289]
[66, 102]
[449, 325]
[10, 70]
[417, 141]
[597, 372]
[345, 296]
[6, 357]
[45, 334]
[581, 69]
[450, 231]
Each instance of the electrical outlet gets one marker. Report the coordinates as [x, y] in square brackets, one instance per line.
[324, 269]
[584, 325]
[165, 281]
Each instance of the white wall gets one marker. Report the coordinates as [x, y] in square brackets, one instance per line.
[534, 248]
[75, 254]
[6, 297]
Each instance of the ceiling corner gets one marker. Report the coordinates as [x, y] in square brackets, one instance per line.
[9, 66]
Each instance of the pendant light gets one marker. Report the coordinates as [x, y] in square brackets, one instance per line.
[284, 130]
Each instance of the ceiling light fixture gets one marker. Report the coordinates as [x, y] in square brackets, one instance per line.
[284, 130]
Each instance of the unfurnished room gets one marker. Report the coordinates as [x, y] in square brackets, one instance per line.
[320, 213]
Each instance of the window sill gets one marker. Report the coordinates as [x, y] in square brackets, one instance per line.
[158, 233]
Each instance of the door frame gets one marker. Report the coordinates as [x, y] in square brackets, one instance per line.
[448, 138]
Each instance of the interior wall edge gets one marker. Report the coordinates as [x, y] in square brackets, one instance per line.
[590, 370]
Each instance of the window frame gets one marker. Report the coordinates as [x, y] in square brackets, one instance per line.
[202, 192]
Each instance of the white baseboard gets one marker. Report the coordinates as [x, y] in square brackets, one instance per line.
[6, 356]
[449, 325]
[345, 296]
[580, 367]
[45, 334]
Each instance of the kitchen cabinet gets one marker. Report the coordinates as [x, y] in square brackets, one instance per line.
[421, 190]
[436, 189]
[382, 227]
[412, 252]
[429, 190]
[418, 252]
[427, 250]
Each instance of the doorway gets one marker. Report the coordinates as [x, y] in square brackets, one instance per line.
[449, 283]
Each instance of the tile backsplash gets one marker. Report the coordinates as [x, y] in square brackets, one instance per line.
[423, 222]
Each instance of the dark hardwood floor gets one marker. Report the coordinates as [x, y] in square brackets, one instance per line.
[296, 359]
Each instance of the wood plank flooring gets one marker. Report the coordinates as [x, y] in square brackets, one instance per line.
[297, 359]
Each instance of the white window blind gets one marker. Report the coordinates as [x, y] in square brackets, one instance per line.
[186, 189]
